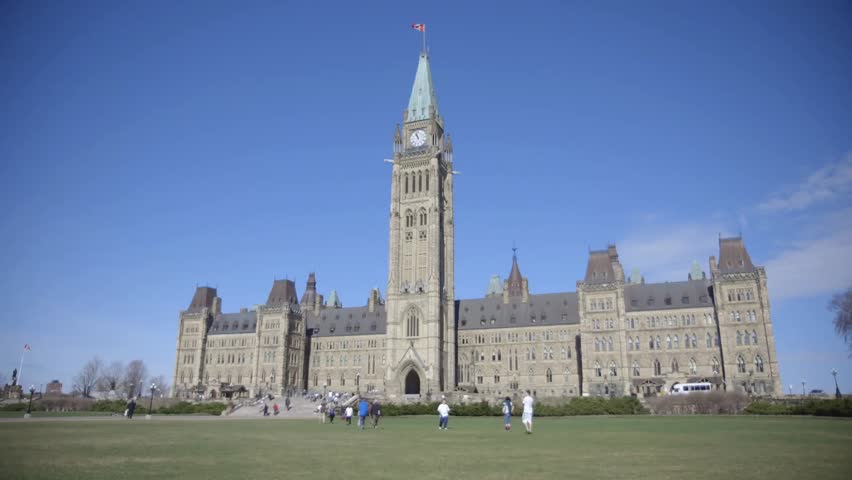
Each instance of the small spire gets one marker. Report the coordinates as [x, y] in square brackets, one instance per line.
[515, 281]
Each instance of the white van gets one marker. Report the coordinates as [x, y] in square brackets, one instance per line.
[687, 388]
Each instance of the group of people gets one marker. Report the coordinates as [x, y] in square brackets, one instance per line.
[507, 407]
[328, 410]
[275, 410]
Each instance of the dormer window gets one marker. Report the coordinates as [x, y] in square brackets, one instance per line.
[651, 301]
[668, 300]
[634, 302]
[684, 300]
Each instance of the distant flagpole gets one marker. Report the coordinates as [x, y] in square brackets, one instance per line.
[21, 367]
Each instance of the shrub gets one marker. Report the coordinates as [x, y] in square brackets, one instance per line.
[704, 403]
[14, 407]
[577, 406]
[821, 407]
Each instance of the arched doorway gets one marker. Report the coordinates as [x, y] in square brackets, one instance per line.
[412, 383]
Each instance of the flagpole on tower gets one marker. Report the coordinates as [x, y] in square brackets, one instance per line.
[421, 27]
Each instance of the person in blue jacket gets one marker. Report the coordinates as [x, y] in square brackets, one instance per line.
[363, 411]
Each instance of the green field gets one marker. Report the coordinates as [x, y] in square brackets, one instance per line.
[41, 414]
[412, 447]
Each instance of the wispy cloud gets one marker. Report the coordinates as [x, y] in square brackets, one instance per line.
[812, 267]
[666, 252]
[828, 182]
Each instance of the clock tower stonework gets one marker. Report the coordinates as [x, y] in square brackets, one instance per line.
[421, 336]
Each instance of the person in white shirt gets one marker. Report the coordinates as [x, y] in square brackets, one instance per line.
[348, 415]
[528, 412]
[443, 415]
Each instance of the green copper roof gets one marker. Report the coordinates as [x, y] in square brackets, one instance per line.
[495, 286]
[422, 93]
[636, 277]
[334, 300]
[696, 273]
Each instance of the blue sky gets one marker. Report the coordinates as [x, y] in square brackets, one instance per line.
[149, 148]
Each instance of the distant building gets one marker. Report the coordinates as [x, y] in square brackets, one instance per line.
[54, 388]
[612, 336]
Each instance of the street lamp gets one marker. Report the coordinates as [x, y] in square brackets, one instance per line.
[358, 383]
[30, 406]
[803, 387]
[151, 402]
[130, 391]
[836, 388]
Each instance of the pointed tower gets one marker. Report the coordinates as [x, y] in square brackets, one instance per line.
[516, 285]
[420, 293]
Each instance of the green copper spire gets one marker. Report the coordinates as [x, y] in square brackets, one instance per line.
[334, 300]
[423, 98]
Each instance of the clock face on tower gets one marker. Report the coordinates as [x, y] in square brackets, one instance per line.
[418, 138]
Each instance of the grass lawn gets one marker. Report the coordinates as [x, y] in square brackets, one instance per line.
[55, 414]
[412, 447]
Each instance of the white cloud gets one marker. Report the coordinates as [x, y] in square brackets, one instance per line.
[826, 183]
[666, 252]
[817, 266]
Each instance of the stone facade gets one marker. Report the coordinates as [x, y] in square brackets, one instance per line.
[613, 336]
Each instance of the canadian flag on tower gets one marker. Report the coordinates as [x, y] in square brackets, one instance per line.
[420, 27]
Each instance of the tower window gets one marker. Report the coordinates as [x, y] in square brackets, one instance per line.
[412, 324]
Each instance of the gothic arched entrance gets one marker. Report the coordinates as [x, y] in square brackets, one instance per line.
[412, 383]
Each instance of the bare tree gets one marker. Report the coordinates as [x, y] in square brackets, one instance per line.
[88, 376]
[134, 377]
[111, 377]
[841, 306]
[163, 386]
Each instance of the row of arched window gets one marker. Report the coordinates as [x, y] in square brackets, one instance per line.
[673, 342]
[736, 316]
[657, 367]
[416, 180]
[746, 338]
[740, 295]
[411, 220]
[741, 364]
[470, 374]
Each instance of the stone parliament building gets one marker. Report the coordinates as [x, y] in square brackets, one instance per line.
[614, 335]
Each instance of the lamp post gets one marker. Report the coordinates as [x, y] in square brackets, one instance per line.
[358, 383]
[130, 391]
[30, 405]
[151, 401]
[803, 387]
[836, 388]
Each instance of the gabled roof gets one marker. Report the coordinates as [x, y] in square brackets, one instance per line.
[283, 292]
[202, 299]
[541, 310]
[342, 322]
[733, 256]
[231, 323]
[667, 296]
[599, 269]
[422, 93]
